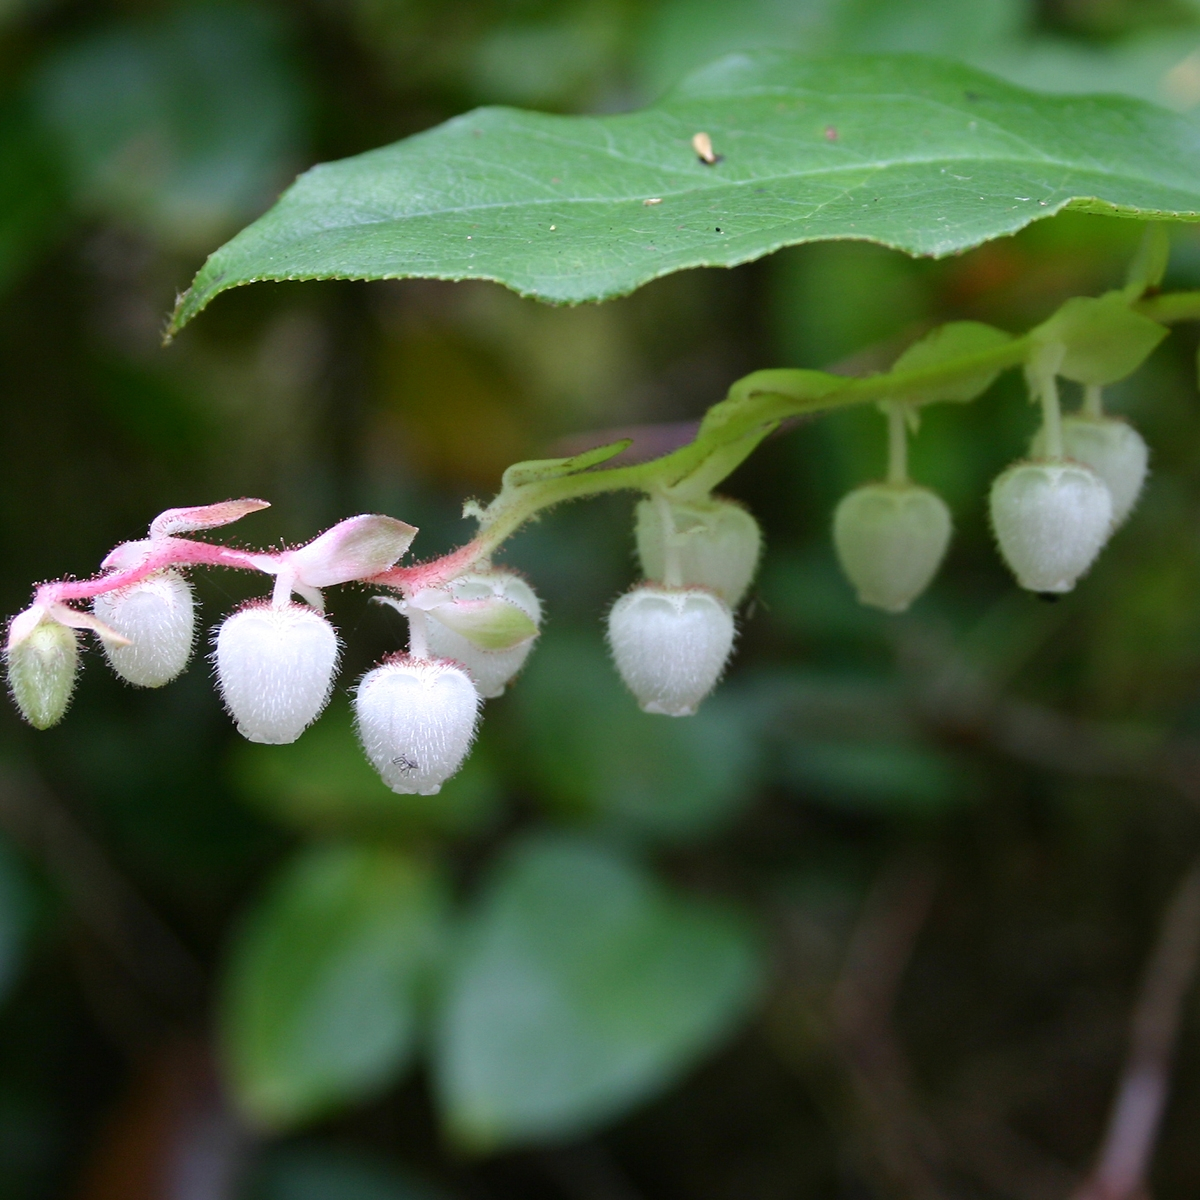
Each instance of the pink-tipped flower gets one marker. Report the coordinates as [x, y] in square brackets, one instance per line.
[275, 667]
[158, 616]
[416, 720]
[670, 645]
[43, 659]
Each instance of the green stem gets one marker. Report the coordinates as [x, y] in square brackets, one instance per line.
[755, 406]
[672, 566]
[1051, 416]
[897, 418]
[1093, 402]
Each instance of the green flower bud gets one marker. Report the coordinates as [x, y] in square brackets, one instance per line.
[1051, 519]
[718, 540]
[1112, 448]
[41, 671]
[890, 539]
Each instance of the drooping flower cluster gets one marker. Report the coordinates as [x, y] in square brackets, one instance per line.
[471, 628]
[1052, 513]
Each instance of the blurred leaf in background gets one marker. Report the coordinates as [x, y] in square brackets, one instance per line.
[327, 981]
[581, 987]
[184, 125]
[311, 1171]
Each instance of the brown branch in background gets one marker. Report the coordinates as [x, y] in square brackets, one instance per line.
[172, 1137]
[1124, 1159]
[99, 896]
[905, 1145]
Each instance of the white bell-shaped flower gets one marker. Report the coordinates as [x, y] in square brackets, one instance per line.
[670, 645]
[275, 667]
[1051, 519]
[718, 543]
[491, 669]
[158, 617]
[1112, 448]
[890, 539]
[416, 720]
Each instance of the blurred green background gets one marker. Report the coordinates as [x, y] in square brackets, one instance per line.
[611, 960]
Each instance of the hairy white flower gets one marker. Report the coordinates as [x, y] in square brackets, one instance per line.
[42, 661]
[717, 541]
[416, 720]
[1112, 448]
[890, 539]
[1051, 520]
[158, 617]
[275, 667]
[491, 669]
[670, 645]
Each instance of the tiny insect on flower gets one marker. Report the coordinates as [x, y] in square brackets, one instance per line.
[158, 617]
[670, 645]
[275, 667]
[416, 720]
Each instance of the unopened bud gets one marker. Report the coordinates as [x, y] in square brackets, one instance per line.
[158, 617]
[1112, 448]
[1051, 519]
[890, 539]
[42, 663]
[416, 720]
[718, 544]
[670, 645]
[275, 667]
[490, 668]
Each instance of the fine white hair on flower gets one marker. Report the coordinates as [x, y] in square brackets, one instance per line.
[158, 616]
[670, 645]
[1051, 520]
[416, 720]
[1112, 448]
[275, 667]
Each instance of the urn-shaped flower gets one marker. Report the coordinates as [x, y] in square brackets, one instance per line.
[1051, 519]
[670, 645]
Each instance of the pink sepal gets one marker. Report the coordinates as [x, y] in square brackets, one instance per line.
[356, 548]
[204, 516]
[24, 623]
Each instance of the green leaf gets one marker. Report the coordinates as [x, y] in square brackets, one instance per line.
[583, 988]
[541, 470]
[595, 756]
[923, 155]
[320, 1003]
[494, 624]
[958, 339]
[1105, 339]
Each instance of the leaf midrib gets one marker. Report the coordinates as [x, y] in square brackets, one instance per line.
[710, 189]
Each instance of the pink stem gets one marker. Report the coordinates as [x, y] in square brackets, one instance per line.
[429, 574]
[169, 552]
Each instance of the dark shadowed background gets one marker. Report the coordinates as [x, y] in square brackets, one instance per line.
[941, 845]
